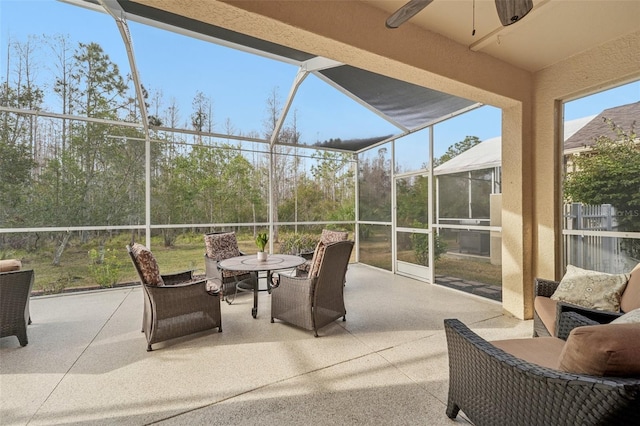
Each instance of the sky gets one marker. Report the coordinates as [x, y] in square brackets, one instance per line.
[177, 67]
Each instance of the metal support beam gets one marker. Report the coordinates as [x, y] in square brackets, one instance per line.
[113, 8]
[297, 81]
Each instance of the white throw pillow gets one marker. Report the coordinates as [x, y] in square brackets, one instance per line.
[631, 317]
[591, 289]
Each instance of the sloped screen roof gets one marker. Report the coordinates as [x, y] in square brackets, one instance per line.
[179, 21]
[403, 103]
[406, 106]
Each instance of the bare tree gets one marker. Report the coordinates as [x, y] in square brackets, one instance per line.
[281, 158]
[200, 118]
[26, 73]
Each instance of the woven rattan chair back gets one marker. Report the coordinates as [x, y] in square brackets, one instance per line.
[15, 290]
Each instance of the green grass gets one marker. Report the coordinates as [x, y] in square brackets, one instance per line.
[187, 254]
[74, 270]
[470, 269]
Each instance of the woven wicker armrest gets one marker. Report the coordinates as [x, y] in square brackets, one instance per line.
[291, 280]
[601, 317]
[544, 287]
[192, 282]
[567, 321]
[180, 290]
[493, 387]
[295, 290]
[460, 337]
[178, 277]
[307, 255]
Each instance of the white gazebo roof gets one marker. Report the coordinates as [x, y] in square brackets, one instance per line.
[488, 153]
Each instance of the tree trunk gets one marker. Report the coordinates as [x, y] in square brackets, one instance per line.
[60, 249]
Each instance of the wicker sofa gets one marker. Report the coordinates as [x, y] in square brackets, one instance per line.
[547, 311]
[536, 381]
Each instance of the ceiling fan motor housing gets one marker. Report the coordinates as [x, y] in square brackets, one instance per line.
[511, 11]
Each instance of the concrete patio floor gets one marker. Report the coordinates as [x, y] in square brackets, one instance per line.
[86, 361]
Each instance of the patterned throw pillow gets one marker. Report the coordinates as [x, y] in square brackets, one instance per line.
[591, 289]
[632, 317]
[221, 246]
[329, 237]
[318, 254]
[326, 238]
[147, 265]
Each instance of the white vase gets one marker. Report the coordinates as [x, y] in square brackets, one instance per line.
[262, 255]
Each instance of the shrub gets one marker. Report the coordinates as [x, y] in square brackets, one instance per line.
[104, 267]
[421, 248]
[298, 243]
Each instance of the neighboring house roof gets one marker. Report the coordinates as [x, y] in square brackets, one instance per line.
[625, 117]
[573, 126]
[485, 155]
[488, 153]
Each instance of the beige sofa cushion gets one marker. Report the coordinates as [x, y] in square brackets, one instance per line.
[603, 350]
[8, 265]
[546, 309]
[631, 297]
[543, 351]
[591, 289]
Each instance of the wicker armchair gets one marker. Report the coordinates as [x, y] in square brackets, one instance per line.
[547, 311]
[15, 289]
[220, 246]
[544, 289]
[175, 305]
[317, 300]
[493, 387]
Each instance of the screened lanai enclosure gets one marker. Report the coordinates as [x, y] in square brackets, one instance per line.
[121, 122]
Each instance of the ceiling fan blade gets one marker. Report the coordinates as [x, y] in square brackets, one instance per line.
[511, 11]
[406, 12]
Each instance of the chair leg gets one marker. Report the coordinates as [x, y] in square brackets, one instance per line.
[229, 300]
[452, 409]
[22, 338]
